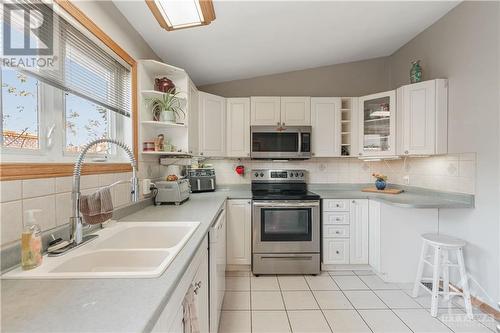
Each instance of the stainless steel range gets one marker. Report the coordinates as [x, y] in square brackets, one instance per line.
[285, 223]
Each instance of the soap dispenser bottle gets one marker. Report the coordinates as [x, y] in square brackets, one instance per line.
[31, 242]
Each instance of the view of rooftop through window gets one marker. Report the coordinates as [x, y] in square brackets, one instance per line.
[20, 107]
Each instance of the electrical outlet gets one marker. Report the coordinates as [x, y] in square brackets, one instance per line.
[406, 179]
[146, 186]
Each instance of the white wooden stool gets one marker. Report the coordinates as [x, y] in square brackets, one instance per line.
[442, 246]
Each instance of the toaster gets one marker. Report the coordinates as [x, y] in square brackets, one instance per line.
[172, 191]
[202, 180]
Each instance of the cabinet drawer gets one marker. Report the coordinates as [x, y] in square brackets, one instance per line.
[335, 205]
[335, 218]
[336, 231]
[335, 251]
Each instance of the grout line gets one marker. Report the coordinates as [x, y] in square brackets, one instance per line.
[355, 309]
[319, 306]
[284, 304]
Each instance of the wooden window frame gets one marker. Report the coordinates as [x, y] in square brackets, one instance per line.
[14, 171]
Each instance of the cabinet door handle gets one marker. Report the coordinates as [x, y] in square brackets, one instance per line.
[201, 153]
[337, 252]
[283, 124]
[278, 123]
[197, 286]
[406, 152]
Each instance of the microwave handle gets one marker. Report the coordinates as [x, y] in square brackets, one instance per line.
[300, 142]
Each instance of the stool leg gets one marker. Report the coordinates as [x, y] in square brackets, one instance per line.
[435, 282]
[465, 283]
[420, 270]
[446, 275]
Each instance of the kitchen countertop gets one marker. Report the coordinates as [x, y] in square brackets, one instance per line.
[134, 305]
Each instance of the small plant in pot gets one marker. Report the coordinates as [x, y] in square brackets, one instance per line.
[167, 108]
[380, 181]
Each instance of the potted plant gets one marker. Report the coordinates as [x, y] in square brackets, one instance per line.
[167, 108]
[380, 182]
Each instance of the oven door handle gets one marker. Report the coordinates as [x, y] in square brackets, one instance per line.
[288, 258]
[285, 205]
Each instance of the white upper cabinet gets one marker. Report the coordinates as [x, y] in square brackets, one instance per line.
[265, 110]
[423, 118]
[325, 121]
[238, 127]
[377, 121]
[193, 121]
[295, 111]
[212, 112]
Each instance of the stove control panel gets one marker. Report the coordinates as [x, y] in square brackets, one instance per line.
[279, 176]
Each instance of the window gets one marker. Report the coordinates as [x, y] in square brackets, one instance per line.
[84, 122]
[19, 111]
[53, 113]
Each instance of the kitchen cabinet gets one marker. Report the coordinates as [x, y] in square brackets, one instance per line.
[377, 124]
[326, 126]
[358, 221]
[295, 111]
[201, 295]
[265, 110]
[238, 127]
[276, 111]
[239, 232]
[345, 231]
[193, 122]
[395, 239]
[196, 275]
[212, 112]
[422, 117]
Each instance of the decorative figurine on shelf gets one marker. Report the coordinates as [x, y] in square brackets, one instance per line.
[164, 85]
[160, 143]
[380, 182]
[415, 72]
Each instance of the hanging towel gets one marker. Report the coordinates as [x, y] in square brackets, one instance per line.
[97, 207]
[190, 319]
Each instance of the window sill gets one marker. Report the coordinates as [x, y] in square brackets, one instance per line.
[16, 171]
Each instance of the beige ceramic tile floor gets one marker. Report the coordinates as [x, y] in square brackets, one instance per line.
[339, 302]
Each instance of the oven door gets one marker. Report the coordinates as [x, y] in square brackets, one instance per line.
[286, 226]
[270, 142]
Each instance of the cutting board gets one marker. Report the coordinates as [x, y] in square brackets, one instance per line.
[386, 191]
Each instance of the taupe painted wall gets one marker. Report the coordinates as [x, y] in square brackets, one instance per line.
[463, 47]
[350, 79]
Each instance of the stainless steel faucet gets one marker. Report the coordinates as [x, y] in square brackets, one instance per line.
[76, 221]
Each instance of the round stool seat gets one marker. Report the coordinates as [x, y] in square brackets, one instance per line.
[444, 240]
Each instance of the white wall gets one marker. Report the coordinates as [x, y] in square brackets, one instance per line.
[463, 47]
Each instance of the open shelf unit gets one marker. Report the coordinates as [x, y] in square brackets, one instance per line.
[348, 128]
[176, 134]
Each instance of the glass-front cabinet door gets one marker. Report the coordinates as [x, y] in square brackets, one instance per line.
[377, 136]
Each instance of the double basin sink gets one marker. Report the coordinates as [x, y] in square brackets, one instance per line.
[125, 250]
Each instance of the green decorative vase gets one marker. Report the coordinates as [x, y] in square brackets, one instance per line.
[415, 72]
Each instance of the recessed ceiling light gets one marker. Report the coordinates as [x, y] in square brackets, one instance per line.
[181, 14]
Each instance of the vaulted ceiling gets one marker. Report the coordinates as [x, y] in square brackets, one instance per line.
[254, 38]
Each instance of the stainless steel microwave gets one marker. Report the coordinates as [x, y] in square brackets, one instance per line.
[280, 142]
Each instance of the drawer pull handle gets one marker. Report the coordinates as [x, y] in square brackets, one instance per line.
[337, 205]
[337, 232]
[337, 219]
[337, 252]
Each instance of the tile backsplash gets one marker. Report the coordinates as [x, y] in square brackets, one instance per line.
[53, 197]
[453, 172]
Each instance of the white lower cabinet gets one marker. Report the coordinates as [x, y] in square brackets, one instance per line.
[395, 239]
[171, 318]
[239, 232]
[345, 231]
